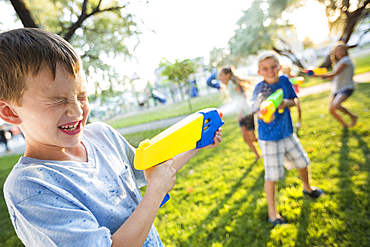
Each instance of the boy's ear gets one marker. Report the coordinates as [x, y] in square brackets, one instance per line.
[8, 114]
[258, 72]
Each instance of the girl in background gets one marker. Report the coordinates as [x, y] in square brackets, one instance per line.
[236, 90]
[343, 84]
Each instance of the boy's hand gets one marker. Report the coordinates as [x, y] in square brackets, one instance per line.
[162, 177]
[217, 139]
[286, 103]
[282, 105]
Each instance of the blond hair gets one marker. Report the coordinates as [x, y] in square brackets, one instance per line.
[333, 58]
[269, 54]
[23, 53]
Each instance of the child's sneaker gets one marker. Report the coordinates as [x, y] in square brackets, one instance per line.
[315, 193]
[278, 221]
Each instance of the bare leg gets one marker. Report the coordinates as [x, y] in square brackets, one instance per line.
[251, 140]
[333, 111]
[304, 177]
[270, 187]
[337, 104]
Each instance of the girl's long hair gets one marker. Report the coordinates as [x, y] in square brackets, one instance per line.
[243, 84]
[333, 59]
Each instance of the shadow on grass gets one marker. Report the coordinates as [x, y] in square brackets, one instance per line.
[231, 228]
[346, 197]
[304, 217]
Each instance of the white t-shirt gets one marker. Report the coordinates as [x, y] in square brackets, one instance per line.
[344, 79]
[65, 203]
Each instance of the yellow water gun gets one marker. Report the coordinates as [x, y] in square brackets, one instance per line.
[269, 106]
[194, 131]
[316, 71]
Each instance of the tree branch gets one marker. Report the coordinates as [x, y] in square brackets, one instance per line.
[72, 29]
[23, 13]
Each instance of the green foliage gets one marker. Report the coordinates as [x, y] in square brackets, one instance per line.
[103, 33]
[179, 71]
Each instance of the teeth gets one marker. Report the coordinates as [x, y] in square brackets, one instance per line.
[70, 127]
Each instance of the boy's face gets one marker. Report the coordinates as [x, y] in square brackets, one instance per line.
[53, 112]
[269, 69]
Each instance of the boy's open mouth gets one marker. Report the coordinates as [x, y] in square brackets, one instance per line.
[70, 126]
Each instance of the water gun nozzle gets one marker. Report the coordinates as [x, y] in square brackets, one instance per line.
[220, 113]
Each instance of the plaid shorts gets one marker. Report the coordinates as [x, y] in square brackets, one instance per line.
[287, 153]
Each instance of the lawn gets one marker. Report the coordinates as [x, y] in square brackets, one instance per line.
[227, 206]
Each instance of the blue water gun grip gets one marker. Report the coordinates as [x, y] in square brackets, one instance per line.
[211, 123]
[165, 199]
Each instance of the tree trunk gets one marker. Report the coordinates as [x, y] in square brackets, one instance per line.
[23, 13]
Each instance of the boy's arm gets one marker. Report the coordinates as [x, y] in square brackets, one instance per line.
[331, 75]
[161, 180]
[135, 230]
[181, 159]
[286, 103]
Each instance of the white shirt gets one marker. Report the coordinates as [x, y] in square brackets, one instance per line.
[344, 79]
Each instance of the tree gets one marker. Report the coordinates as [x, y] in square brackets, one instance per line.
[257, 30]
[98, 29]
[344, 16]
[258, 27]
[179, 73]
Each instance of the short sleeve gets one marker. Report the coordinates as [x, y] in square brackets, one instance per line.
[49, 219]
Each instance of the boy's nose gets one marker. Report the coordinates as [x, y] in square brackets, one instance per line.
[75, 109]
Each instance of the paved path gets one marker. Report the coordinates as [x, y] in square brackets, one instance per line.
[18, 145]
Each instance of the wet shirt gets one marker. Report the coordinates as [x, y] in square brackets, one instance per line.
[64, 203]
[344, 79]
[282, 126]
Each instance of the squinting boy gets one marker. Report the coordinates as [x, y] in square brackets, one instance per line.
[76, 184]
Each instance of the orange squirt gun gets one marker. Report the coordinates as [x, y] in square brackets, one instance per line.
[194, 131]
[299, 80]
[269, 106]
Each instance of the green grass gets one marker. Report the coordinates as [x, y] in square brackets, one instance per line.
[228, 205]
[7, 236]
[167, 111]
[362, 65]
